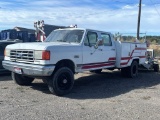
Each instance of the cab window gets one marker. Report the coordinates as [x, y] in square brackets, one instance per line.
[90, 39]
[106, 39]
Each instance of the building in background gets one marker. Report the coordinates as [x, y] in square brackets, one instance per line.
[25, 34]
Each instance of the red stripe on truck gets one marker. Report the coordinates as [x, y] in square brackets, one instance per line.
[97, 65]
[129, 58]
[112, 59]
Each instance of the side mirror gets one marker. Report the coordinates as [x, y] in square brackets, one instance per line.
[95, 46]
[99, 43]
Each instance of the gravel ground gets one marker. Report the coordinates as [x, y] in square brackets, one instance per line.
[105, 96]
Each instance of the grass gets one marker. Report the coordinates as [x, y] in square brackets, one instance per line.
[146, 98]
[156, 49]
[4, 87]
[82, 107]
[21, 89]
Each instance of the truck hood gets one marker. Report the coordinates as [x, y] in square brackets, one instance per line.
[39, 45]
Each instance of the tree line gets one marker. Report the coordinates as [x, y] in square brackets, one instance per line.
[151, 39]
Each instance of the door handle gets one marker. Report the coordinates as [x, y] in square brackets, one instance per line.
[113, 49]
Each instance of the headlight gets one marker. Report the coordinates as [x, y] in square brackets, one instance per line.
[38, 55]
[42, 55]
[7, 52]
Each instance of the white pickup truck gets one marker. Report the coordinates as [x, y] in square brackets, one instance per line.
[69, 51]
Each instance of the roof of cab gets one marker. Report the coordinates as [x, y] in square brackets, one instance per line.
[82, 29]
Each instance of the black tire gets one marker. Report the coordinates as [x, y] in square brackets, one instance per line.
[156, 67]
[44, 80]
[96, 71]
[21, 80]
[61, 82]
[133, 70]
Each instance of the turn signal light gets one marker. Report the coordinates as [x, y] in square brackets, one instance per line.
[45, 55]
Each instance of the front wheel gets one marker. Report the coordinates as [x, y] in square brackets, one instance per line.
[21, 80]
[61, 82]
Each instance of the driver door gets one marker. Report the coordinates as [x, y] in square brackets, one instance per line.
[92, 58]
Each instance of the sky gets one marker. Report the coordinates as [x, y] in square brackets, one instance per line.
[107, 15]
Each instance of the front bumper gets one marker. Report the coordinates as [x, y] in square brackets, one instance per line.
[29, 69]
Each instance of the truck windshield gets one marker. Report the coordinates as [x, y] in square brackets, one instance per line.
[73, 36]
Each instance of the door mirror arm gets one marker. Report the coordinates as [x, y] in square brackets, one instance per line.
[98, 43]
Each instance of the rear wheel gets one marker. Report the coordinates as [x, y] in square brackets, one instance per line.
[21, 80]
[156, 67]
[61, 82]
[133, 70]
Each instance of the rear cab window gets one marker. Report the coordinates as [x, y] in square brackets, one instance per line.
[106, 39]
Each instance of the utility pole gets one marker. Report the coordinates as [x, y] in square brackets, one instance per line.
[139, 19]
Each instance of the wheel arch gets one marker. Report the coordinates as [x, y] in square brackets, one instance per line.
[135, 59]
[65, 63]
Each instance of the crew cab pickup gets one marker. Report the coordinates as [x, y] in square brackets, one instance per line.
[69, 51]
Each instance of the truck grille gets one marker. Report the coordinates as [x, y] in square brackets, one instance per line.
[26, 56]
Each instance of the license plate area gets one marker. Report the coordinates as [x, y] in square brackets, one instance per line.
[18, 70]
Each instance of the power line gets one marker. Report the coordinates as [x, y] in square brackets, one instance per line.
[155, 7]
[133, 3]
[122, 2]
